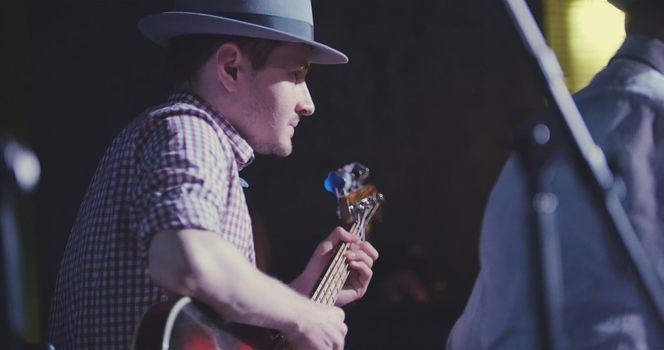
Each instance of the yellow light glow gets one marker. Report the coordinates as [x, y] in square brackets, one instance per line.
[584, 34]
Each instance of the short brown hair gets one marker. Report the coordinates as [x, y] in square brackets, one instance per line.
[186, 54]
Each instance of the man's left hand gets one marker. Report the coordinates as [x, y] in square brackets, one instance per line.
[360, 257]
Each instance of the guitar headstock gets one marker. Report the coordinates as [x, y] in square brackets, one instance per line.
[357, 203]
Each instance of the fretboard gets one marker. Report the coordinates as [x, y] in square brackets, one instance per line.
[336, 274]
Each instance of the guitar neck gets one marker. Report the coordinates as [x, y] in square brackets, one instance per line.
[334, 278]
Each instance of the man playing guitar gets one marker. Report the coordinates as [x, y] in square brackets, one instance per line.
[165, 212]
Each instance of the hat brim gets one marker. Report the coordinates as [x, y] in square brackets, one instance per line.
[161, 27]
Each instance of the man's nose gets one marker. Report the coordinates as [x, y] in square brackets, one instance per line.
[305, 105]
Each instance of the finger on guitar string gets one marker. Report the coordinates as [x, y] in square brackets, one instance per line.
[341, 234]
[364, 272]
[356, 254]
[367, 248]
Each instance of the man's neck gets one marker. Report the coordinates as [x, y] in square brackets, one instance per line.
[210, 96]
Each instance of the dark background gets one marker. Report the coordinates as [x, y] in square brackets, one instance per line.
[428, 100]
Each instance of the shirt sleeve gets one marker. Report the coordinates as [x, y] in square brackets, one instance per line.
[641, 166]
[180, 181]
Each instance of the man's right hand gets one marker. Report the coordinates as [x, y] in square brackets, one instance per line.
[320, 327]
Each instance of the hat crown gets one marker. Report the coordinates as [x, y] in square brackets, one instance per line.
[280, 20]
[292, 9]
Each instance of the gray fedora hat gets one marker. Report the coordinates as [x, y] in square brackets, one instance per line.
[282, 20]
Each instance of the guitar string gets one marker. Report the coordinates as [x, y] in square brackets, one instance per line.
[341, 271]
[335, 268]
[341, 279]
[337, 275]
[325, 280]
[341, 274]
[323, 289]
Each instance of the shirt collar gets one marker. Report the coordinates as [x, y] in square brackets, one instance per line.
[644, 49]
[243, 152]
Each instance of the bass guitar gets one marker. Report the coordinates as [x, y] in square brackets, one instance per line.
[186, 324]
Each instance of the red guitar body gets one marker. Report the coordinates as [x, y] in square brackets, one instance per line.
[184, 324]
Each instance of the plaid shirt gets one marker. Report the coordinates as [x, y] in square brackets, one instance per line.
[176, 166]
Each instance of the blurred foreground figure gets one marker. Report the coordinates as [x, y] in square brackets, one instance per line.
[605, 308]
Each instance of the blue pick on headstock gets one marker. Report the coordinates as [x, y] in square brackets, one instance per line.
[335, 181]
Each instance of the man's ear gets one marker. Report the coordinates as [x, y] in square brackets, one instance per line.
[229, 59]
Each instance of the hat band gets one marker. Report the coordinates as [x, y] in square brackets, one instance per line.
[292, 26]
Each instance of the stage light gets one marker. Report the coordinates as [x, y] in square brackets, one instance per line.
[584, 34]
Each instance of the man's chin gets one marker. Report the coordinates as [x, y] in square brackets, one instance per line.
[282, 150]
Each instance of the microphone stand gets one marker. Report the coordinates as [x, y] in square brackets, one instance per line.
[590, 159]
[19, 173]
